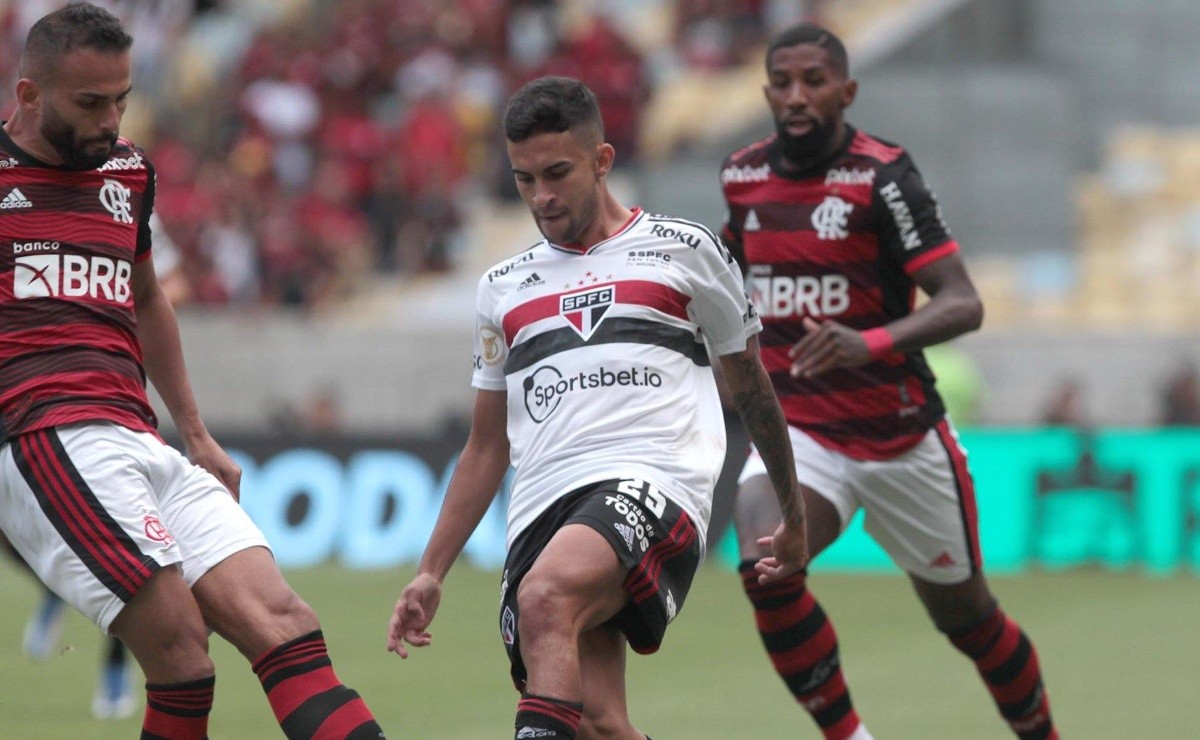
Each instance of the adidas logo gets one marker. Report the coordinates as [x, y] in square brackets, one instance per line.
[531, 281]
[751, 223]
[626, 532]
[943, 561]
[527, 732]
[15, 199]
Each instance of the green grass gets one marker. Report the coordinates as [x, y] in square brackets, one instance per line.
[1119, 652]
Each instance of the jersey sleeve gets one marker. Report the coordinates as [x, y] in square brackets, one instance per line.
[490, 348]
[912, 229]
[145, 236]
[719, 305]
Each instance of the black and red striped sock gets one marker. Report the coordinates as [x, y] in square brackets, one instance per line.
[803, 647]
[308, 699]
[1009, 666]
[541, 716]
[178, 711]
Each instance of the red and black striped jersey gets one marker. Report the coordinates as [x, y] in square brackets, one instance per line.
[69, 350]
[839, 242]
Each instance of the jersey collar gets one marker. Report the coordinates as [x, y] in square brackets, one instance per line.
[816, 166]
[580, 249]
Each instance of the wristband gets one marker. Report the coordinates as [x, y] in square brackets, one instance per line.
[879, 342]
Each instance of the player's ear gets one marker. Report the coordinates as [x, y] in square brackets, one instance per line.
[849, 92]
[29, 93]
[606, 155]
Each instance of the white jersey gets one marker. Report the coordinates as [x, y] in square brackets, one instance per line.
[602, 354]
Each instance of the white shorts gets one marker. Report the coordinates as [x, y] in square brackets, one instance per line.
[920, 505]
[96, 509]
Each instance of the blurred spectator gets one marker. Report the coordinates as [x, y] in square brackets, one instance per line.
[348, 138]
[1181, 397]
[1065, 406]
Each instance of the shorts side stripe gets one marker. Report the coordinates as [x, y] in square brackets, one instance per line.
[642, 583]
[94, 516]
[65, 520]
[72, 508]
[119, 545]
[965, 485]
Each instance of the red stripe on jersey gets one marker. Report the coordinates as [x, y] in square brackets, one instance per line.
[860, 448]
[966, 490]
[868, 146]
[772, 247]
[42, 339]
[76, 383]
[832, 408]
[931, 256]
[653, 295]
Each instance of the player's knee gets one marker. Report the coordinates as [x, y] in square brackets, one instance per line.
[289, 616]
[545, 610]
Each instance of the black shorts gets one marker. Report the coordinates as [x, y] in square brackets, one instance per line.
[654, 539]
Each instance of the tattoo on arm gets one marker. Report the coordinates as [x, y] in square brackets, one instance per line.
[760, 412]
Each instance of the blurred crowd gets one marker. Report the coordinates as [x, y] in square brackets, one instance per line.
[341, 139]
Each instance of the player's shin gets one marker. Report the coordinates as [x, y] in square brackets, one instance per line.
[1008, 664]
[178, 711]
[308, 699]
[543, 716]
[803, 647]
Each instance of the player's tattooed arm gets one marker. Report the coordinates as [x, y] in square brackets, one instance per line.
[755, 400]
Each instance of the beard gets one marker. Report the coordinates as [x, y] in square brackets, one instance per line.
[64, 139]
[807, 148]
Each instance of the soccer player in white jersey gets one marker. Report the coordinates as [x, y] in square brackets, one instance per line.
[594, 382]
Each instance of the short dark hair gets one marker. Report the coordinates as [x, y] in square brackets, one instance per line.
[79, 25]
[811, 33]
[551, 105]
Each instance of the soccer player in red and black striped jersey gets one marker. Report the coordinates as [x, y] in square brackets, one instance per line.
[837, 230]
[150, 546]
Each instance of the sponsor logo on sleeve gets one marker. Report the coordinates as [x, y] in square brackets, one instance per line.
[902, 215]
[491, 345]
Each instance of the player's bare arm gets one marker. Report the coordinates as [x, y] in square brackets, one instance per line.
[158, 332]
[953, 309]
[756, 403]
[477, 476]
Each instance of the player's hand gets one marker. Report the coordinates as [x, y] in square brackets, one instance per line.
[208, 454]
[825, 346]
[789, 548]
[412, 614]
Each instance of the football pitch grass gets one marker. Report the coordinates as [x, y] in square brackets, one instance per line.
[1120, 652]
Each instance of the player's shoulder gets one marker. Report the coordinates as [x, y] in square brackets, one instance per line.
[126, 157]
[876, 150]
[691, 242]
[502, 272]
[675, 229]
[749, 163]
